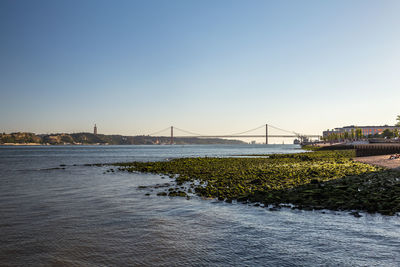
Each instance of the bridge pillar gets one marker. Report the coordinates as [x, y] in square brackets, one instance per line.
[172, 135]
[266, 134]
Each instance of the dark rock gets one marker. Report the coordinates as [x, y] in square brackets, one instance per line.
[242, 199]
[355, 214]
[177, 194]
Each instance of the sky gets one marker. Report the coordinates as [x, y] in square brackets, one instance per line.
[210, 67]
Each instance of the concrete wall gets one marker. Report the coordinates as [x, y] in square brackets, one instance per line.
[376, 149]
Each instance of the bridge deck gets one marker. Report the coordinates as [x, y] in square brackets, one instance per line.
[245, 136]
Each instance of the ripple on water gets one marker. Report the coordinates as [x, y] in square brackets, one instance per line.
[80, 216]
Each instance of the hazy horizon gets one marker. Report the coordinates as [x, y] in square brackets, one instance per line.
[136, 67]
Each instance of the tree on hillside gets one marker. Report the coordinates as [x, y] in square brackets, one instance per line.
[387, 133]
[398, 120]
[346, 135]
[396, 133]
[358, 133]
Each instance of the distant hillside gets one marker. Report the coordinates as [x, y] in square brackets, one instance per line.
[89, 138]
[18, 138]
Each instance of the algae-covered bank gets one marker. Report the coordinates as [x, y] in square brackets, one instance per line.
[311, 180]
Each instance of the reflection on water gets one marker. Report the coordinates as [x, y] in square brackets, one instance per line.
[80, 216]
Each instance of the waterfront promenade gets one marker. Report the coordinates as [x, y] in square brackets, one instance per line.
[374, 154]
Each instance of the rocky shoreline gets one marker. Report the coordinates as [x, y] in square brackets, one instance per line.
[314, 180]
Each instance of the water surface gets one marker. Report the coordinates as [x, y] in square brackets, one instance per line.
[85, 217]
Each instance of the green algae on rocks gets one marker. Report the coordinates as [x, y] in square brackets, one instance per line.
[320, 179]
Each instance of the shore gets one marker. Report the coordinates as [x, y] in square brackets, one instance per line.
[22, 144]
[382, 161]
[313, 180]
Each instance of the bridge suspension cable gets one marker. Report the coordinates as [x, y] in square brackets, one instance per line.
[194, 134]
[259, 127]
[280, 129]
[188, 132]
[199, 134]
[163, 130]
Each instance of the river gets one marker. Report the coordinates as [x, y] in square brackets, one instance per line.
[77, 215]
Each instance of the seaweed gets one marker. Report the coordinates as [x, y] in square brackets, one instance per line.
[311, 180]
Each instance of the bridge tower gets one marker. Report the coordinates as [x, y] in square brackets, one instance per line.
[172, 135]
[266, 134]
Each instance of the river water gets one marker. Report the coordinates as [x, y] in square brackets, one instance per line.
[82, 216]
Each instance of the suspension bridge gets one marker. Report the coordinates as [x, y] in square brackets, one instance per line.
[245, 134]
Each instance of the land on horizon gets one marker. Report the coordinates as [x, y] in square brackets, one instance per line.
[102, 139]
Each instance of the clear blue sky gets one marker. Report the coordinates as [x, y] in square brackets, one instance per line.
[134, 67]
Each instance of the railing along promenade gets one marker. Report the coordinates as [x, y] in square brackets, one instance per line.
[377, 149]
[365, 150]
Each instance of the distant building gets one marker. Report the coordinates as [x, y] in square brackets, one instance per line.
[95, 130]
[365, 130]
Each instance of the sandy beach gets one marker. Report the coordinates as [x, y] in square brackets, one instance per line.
[382, 160]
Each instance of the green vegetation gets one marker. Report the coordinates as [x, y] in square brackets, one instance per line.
[19, 138]
[388, 133]
[357, 135]
[398, 120]
[314, 180]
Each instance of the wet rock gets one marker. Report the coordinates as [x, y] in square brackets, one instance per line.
[242, 199]
[355, 214]
[317, 180]
[177, 194]
[162, 185]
